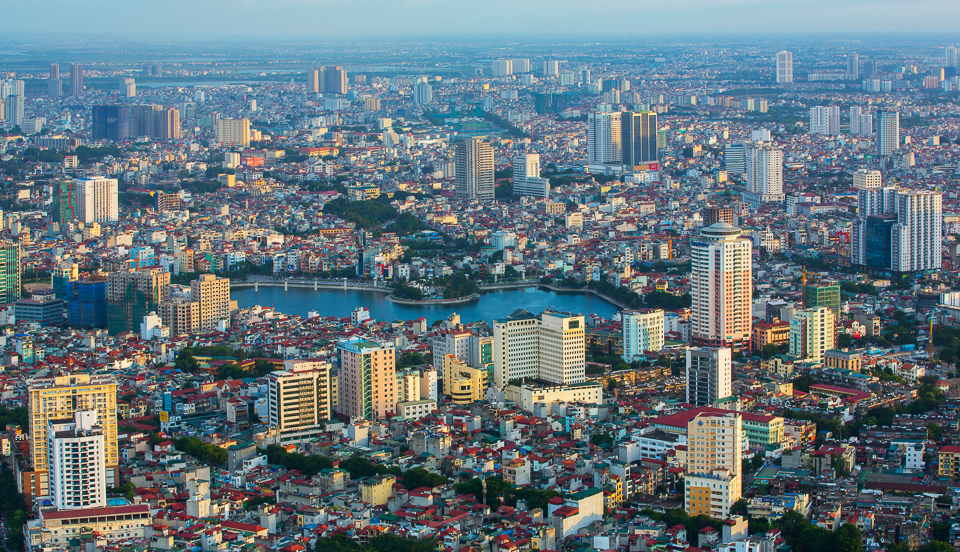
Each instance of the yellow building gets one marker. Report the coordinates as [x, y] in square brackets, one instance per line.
[377, 490]
[60, 397]
[949, 463]
[463, 383]
[714, 464]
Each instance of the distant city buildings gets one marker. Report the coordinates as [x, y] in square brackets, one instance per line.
[825, 120]
[888, 132]
[784, 67]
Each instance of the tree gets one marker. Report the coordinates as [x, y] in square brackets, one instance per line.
[186, 363]
[803, 383]
[739, 508]
[934, 433]
[600, 439]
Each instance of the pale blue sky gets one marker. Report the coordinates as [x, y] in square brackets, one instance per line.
[330, 18]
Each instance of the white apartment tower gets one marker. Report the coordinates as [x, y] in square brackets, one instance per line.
[642, 331]
[888, 132]
[526, 176]
[422, 93]
[550, 346]
[825, 120]
[233, 132]
[861, 124]
[918, 234]
[77, 453]
[722, 288]
[501, 67]
[709, 375]
[299, 399]
[603, 138]
[551, 68]
[853, 66]
[784, 67]
[473, 158]
[764, 164]
[97, 199]
[864, 179]
[950, 56]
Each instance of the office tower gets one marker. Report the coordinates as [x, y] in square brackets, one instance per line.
[918, 234]
[234, 132]
[549, 346]
[764, 172]
[784, 67]
[97, 199]
[722, 288]
[823, 293]
[54, 87]
[551, 68]
[604, 138]
[950, 56]
[11, 268]
[520, 65]
[132, 294]
[313, 81]
[367, 379]
[825, 120]
[299, 399]
[888, 132]
[713, 481]
[13, 109]
[61, 397]
[713, 215]
[864, 179]
[853, 66]
[77, 451]
[128, 87]
[735, 158]
[869, 68]
[642, 332]
[111, 122]
[709, 375]
[638, 139]
[422, 93]
[154, 122]
[169, 124]
[473, 158]
[501, 67]
[64, 201]
[812, 333]
[76, 79]
[213, 295]
[334, 80]
[526, 176]
[871, 235]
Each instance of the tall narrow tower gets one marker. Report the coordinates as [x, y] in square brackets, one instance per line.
[722, 288]
[473, 158]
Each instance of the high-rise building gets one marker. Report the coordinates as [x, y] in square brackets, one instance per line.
[111, 122]
[213, 295]
[888, 132]
[59, 398]
[549, 347]
[422, 93]
[784, 67]
[520, 65]
[713, 482]
[128, 87]
[735, 158]
[853, 66]
[132, 294]
[76, 79]
[501, 67]
[299, 399]
[233, 132]
[709, 375]
[77, 451]
[604, 137]
[760, 135]
[950, 56]
[823, 293]
[551, 68]
[722, 288]
[865, 179]
[713, 215]
[526, 176]
[11, 269]
[13, 109]
[87, 302]
[869, 68]
[64, 201]
[182, 317]
[764, 173]
[473, 158]
[918, 235]
[313, 81]
[334, 79]
[861, 123]
[97, 199]
[155, 122]
[825, 120]
[54, 86]
[642, 331]
[812, 333]
[638, 138]
[367, 379]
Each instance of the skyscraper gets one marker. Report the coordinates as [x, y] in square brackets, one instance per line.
[812, 333]
[638, 138]
[551, 68]
[722, 288]
[709, 375]
[299, 399]
[764, 164]
[735, 158]
[950, 56]
[58, 398]
[77, 452]
[233, 132]
[501, 67]
[76, 79]
[888, 132]
[473, 158]
[526, 176]
[825, 120]
[313, 80]
[918, 235]
[11, 269]
[642, 332]
[54, 87]
[97, 199]
[13, 109]
[714, 464]
[334, 80]
[520, 65]
[861, 124]
[367, 379]
[422, 93]
[549, 346]
[604, 138]
[784, 67]
[853, 66]
[111, 122]
[128, 87]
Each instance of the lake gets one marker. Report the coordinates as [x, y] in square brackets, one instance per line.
[490, 306]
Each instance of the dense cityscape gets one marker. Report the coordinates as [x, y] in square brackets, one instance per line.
[480, 296]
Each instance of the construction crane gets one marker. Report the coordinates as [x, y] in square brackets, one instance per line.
[803, 289]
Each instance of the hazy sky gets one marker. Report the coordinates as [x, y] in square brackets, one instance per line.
[332, 18]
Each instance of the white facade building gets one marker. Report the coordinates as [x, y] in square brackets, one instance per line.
[642, 331]
[722, 287]
[97, 199]
[603, 138]
[76, 451]
[764, 164]
[784, 67]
